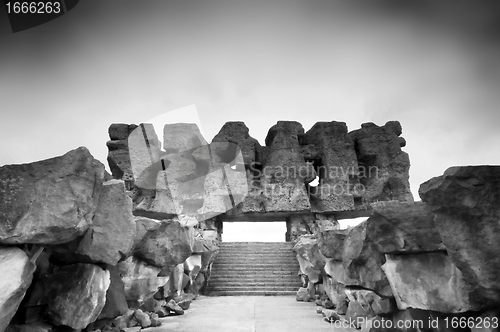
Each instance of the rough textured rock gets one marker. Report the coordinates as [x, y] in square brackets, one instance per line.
[50, 201]
[303, 295]
[384, 167]
[282, 181]
[465, 200]
[300, 225]
[76, 295]
[363, 262]
[113, 229]
[173, 307]
[311, 261]
[132, 149]
[336, 165]
[15, 279]
[359, 308]
[140, 279]
[32, 327]
[429, 281]
[336, 292]
[116, 303]
[402, 227]
[168, 245]
[331, 243]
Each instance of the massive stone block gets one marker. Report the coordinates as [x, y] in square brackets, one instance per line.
[331, 243]
[116, 304]
[76, 295]
[311, 261]
[238, 133]
[51, 201]
[383, 166]
[331, 150]
[283, 179]
[15, 279]
[403, 227]
[363, 262]
[465, 200]
[168, 245]
[141, 280]
[113, 230]
[429, 281]
[132, 149]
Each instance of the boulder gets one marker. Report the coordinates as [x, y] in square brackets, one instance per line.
[32, 327]
[429, 281]
[303, 295]
[363, 262]
[465, 201]
[403, 227]
[383, 166]
[168, 245]
[111, 236]
[132, 149]
[15, 279]
[142, 318]
[331, 243]
[311, 261]
[51, 201]
[336, 293]
[76, 295]
[140, 279]
[174, 307]
[116, 303]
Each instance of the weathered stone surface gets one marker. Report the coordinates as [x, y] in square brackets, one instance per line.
[142, 318]
[301, 225]
[311, 261]
[336, 292]
[363, 262]
[465, 200]
[113, 229]
[140, 279]
[116, 303]
[331, 243]
[76, 295]
[132, 149]
[336, 165]
[383, 166]
[174, 307]
[283, 179]
[238, 133]
[303, 295]
[359, 308]
[15, 279]
[32, 327]
[403, 227]
[429, 281]
[50, 201]
[168, 245]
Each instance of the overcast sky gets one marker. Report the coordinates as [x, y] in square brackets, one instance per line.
[432, 65]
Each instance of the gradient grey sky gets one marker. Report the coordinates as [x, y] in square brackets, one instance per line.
[432, 65]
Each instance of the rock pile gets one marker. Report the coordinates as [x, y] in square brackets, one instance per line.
[431, 263]
[74, 255]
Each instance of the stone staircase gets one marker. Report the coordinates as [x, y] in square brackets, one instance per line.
[254, 268]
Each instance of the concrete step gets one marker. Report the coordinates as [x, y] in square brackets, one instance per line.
[254, 272]
[251, 293]
[258, 277]
[258, 288]
[242, 283]
[278, 264]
